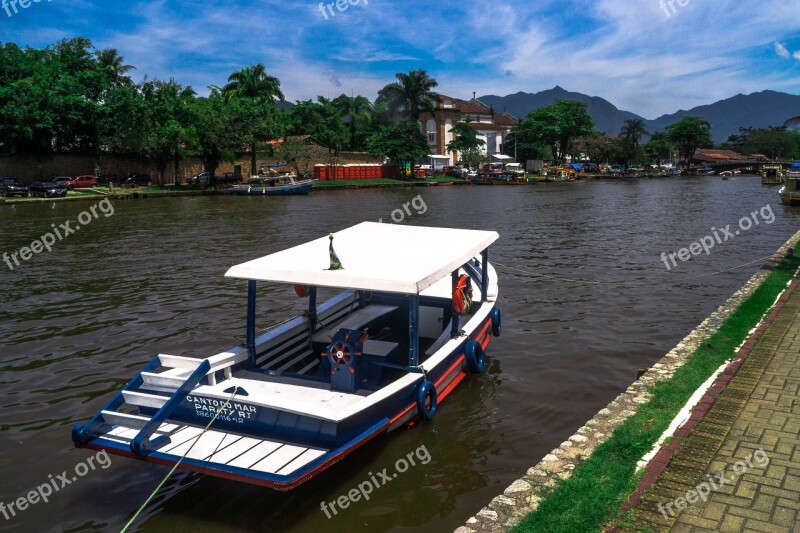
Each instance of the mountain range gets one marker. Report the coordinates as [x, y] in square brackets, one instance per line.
[756, 110]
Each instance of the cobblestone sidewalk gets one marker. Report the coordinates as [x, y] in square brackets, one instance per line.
[738, 467]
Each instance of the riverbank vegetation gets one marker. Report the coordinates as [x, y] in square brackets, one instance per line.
[591, 497]
[70, 98]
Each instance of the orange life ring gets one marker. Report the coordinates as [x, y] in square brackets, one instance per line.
[462, 296]
[301, 290]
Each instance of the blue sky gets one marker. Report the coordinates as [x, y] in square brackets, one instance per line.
[647, 56]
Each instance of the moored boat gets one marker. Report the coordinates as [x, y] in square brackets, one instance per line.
[790, 192]
[771, 175]
[287, 185]
[703, 171]
[416, 310]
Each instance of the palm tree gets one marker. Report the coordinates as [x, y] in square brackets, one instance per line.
[411, 94]
[113, 65]
[353, 110]
[255, 84]
[632, 131]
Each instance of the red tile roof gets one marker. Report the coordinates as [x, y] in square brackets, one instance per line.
[718, 155]
[473, 106]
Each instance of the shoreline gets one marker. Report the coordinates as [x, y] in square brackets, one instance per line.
[435, 181]
[157, 192]
[525, 495]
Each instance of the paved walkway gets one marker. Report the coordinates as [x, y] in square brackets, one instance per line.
[737, 467]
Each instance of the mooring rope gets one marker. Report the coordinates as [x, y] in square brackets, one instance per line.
[627, 283]
[153, 494]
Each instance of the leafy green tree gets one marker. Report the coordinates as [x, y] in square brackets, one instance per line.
[296, 151]
[689, 134]
[411, 94]
[773, 142]
[466, 141]
[72, 93]
[125, 122]
[657, 149]
[527, 148]
[464, 138]
[170, 129]
[26, 119]
[401, 142]
[216, 131]
[556, 126]
[254, 86]
[322, 121]
[600, 148]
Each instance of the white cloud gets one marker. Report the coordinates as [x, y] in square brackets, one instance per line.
[781, 50]
[627, 52]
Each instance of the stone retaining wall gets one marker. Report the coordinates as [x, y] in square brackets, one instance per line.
[28, 169]
[523, 495]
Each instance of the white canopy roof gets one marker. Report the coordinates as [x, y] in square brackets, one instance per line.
[376, 257]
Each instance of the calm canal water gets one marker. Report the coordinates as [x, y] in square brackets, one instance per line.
[77, 323]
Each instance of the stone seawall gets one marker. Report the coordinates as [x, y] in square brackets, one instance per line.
[523, 495]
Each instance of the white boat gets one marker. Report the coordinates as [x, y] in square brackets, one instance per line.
[285, 185]
[703, 171]
[415, 312]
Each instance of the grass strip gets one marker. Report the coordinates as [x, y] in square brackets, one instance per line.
[592, 496]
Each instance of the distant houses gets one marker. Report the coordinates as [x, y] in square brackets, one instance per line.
[492, 128]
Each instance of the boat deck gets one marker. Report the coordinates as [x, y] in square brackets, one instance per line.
[224, 450]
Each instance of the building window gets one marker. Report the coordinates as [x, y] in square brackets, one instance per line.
[431, 137]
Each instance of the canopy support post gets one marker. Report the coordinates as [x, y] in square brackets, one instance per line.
[312, 307]
[250, 341]
[413, 330]
[454, 321]
[485, 275]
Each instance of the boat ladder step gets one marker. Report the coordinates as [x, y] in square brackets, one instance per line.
[168, 381]
[143, 399]
[125, 420]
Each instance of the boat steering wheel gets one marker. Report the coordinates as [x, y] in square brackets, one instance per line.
[340, 353]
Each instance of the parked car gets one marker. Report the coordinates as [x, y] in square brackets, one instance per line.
[48, 189]
[84, 182]
[63, 181]
[12, 187]
[455, 173]
[137, 180]
[199, 179]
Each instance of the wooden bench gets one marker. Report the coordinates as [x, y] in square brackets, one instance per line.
[356, 320]
[379, 348]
